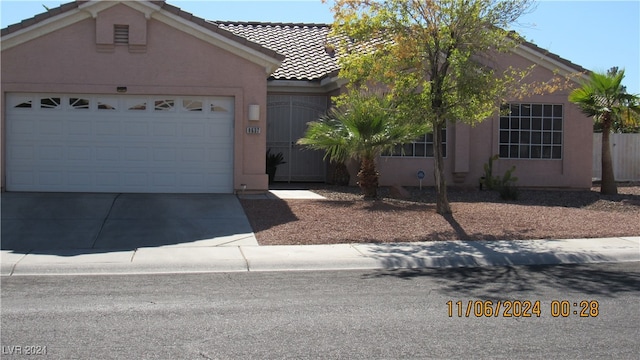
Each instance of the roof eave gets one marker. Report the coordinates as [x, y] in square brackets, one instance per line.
[52, 20]
[549, 60]
[324, 85]
[70, 13]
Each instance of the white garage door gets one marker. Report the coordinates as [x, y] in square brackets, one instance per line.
[126, 143]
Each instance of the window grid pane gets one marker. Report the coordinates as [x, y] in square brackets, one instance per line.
[421, 147]
[531, 131]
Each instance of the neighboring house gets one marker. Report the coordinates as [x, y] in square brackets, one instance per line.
[124, 96]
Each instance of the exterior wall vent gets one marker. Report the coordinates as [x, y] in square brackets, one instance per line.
[121, 34]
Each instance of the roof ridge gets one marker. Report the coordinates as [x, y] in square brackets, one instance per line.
[51, 12]
[266, 23]
[550, 54]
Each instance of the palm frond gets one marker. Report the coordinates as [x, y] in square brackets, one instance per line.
[363, 127]
[604, 97]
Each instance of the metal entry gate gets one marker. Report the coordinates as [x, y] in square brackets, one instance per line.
[287, 118]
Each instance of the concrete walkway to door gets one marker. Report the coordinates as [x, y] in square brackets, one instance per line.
[46, 222]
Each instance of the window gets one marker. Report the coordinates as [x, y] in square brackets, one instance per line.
[192, 105]
[421, 147]
[134, 105]
[218, 108]
[24, 104]
[121, 34]
[164, 105]
[79, 103]
[102, 105]
[50, 103]
[531, 131]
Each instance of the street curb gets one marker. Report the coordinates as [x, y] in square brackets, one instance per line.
[425, 255]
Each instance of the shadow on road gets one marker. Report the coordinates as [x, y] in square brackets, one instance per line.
[496, 283]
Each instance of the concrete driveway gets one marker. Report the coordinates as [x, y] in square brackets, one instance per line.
[38, 222]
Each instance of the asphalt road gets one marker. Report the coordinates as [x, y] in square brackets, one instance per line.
[345, 314]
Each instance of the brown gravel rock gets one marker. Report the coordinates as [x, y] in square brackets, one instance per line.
[344, 217]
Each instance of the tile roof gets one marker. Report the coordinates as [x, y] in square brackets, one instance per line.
[551, 55]
[304, 47]
[301, 47]
[41, 17]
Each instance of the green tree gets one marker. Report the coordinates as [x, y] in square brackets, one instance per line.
[627, 122]
[361, 127]
[605, 99]
[435, 56]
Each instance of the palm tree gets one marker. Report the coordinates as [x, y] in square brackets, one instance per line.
[365, 126]
[605, 99]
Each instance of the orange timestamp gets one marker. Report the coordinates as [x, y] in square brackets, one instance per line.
[522, 308]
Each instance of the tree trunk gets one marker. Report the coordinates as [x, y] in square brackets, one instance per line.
[608, 184]
[442, 201]
[368, 178]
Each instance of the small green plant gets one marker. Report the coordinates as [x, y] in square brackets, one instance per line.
[487, 181]
[505, 184]
[273, 160]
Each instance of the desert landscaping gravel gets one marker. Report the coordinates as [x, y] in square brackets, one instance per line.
[344, 217]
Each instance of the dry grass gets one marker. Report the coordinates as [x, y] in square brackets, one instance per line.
[477, 215]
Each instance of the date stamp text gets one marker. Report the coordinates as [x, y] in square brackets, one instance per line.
[523, 308]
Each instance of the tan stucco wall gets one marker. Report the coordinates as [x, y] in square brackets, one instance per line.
[572, 171]
[174, 63]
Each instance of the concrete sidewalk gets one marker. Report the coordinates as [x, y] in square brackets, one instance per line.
[193, 259]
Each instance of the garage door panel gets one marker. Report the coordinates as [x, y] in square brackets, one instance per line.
[22, 153]
[219, 130]
[164, 129]
[194, 130]
[136, 154]
[108, 153]
[193, 155]
[164, 154]
[135, 128]
[192, 180]
[107, 129]
[51, 152]
[108, 178]
[51, 178]
[81, 128]
[83, 178]
[51, 127]
[119, 144]
[24, 177]
[20, 126]
[139, 179]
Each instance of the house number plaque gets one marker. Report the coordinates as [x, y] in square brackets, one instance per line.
[253, 130]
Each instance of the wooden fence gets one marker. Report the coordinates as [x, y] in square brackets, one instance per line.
[625, 152]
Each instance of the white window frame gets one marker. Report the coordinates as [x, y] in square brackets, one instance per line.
[532, 131]
[420, 148]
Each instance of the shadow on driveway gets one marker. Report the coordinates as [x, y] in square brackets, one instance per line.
[46, 223]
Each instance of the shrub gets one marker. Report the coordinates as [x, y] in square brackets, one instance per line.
[505, 184]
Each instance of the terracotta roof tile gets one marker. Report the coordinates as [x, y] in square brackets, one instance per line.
[304, 47]
[551, 55]
[301, 47]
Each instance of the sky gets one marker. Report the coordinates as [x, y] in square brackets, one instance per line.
[596, 35]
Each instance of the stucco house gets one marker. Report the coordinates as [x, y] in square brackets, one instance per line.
[139, 96]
